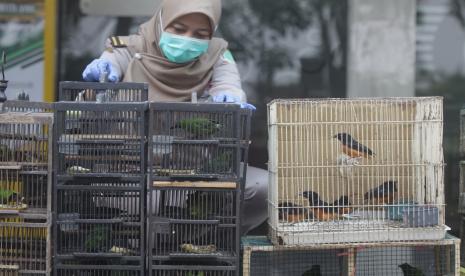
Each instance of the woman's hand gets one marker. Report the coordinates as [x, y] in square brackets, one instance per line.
[97, 67]
[225, 97]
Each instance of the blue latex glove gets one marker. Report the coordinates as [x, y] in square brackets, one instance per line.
[97, 67]
[226, 97]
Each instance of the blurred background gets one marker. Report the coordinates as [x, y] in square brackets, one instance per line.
[284, 49]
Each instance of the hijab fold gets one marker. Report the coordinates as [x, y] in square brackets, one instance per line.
[170, 81]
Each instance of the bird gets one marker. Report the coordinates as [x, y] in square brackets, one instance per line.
[322, 210]
[292, 213]
[198, 249]
[77, 169]
[383, 194]
[9, 196]
[98, 239]
[409, 270]
[223, 163]
[199, 127]
[352, 147]
[343, 204]
[314, 271]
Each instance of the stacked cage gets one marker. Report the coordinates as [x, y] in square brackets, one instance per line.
[100, 180]
[197, 160]
[461, 203]
[25, 188]
[356, 170]
[415, 258]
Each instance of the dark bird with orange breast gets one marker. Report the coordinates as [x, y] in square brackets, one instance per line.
[343, 205]
[322, 210]
[383, 194]
[352, 147]
[293, 213]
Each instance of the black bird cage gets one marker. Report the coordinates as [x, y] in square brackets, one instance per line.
[194, 222]
[198, 141]
[103, 92]
[100, 140]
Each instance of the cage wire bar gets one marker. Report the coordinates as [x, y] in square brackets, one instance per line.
[198, 156]
[103, 92]
[356, 170]
[100, 188]
[26, 130]
[426, 258]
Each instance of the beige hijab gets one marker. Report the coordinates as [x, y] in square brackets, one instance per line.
[169, 81]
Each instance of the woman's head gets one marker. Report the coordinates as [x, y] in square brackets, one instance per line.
[187, 28]
[194, 25]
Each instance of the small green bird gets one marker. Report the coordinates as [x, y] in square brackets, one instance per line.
[410, 270]
[223, 163]
[9, 196]
[98, 239]
[314, 271]
[199, 127]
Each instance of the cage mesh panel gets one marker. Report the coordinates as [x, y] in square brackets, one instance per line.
[192, 271]
[296, 262]
[24, 165]
[108, 271]
[432, 258]
[401, 260]
[194, 142]
[95, 216]
[108, 92]
[356, 170]
[22, 248]
[100, 142]
[203, 219]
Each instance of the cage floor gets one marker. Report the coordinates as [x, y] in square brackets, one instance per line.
[355, 231]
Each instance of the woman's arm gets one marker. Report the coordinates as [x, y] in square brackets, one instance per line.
[226, 78]
[118, 55]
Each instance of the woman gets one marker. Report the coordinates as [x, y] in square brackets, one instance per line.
[176, 54]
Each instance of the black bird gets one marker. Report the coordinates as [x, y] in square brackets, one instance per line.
[383, 194]
[314, 271]
[352, 147]
[343, 204]
[322, 210]
[410, 270]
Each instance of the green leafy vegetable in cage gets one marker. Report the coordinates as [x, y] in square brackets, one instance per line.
[198, 249]
[201, 273]
[98, 239]
[409, 270]
[314, 271]
[199, 127]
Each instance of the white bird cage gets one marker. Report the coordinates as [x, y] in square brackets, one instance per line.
[388, 187]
